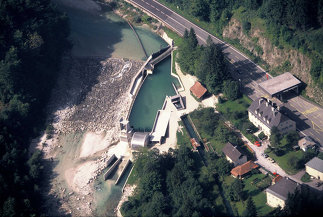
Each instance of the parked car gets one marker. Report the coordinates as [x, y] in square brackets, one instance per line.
[264, 155]
[271, 160]
[257, 143]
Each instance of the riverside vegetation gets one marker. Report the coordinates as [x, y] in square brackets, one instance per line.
[33, 37]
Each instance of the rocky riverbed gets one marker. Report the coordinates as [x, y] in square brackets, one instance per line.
[91, 96]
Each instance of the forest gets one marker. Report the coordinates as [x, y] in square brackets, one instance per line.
[296, 24]
[177, 183]
[33, 38]
[207, 63]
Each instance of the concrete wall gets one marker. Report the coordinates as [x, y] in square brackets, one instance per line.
[314, 173]
[274, 201]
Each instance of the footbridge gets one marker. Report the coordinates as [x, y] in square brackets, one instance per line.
[161, 55]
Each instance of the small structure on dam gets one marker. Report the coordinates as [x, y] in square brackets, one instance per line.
[126, 131]
[160, 126]
[139, 140]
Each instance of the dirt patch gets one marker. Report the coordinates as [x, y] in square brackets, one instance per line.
[93, 142]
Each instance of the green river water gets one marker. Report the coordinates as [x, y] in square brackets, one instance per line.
[98, 33]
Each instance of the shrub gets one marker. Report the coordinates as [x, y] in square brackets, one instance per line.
[306, 178]
[246, 26]
[262, 136]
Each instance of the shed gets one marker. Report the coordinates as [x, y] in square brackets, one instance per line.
[306, 143]
[243, 169]
[198, 90]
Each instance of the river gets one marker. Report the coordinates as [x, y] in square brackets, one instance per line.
[95, 32]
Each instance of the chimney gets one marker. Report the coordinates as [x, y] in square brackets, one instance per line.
[267, 103]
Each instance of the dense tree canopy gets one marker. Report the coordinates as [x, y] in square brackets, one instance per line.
[173, 184]
[288, 23]
[207, 63]
[32, 40]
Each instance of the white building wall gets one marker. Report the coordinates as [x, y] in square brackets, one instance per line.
[274, 201]
[253, 119]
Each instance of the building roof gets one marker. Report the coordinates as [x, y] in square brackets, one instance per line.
[316, 163]
[305, 142]
[139, 139]
[198, 90]
[194, 143]
[232, 152]
[244, 168]
[279, 83]
[267, 112]
[282, 188]
[160, 125]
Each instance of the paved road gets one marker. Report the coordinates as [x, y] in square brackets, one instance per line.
[309, 117]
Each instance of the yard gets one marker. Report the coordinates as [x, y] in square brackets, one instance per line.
[288, 162]
[254, 186]
[236, 112]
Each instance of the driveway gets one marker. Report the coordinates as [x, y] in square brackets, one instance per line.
[262, 161]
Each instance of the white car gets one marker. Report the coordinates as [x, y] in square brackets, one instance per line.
[271, 160]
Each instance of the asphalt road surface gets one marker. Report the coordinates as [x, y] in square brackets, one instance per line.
[308, 116]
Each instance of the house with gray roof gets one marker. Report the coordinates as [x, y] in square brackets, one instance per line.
[233, 155]
[265, 115]
[306, 143]
[315, 168]
[277, 194]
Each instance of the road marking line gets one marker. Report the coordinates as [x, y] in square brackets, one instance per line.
[311, 110]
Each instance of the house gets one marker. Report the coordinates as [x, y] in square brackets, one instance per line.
[233, 155]
[242, 170]
[277, 194]
[264, 114]
[139, 140]
[306, 143]
[315, 168]
[198, 90]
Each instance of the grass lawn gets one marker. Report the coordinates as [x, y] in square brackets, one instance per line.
[178, 40]
[236, 112]
[258, 196]
[182, 137]
[239, 105]
[132, 178]
[283, 160]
